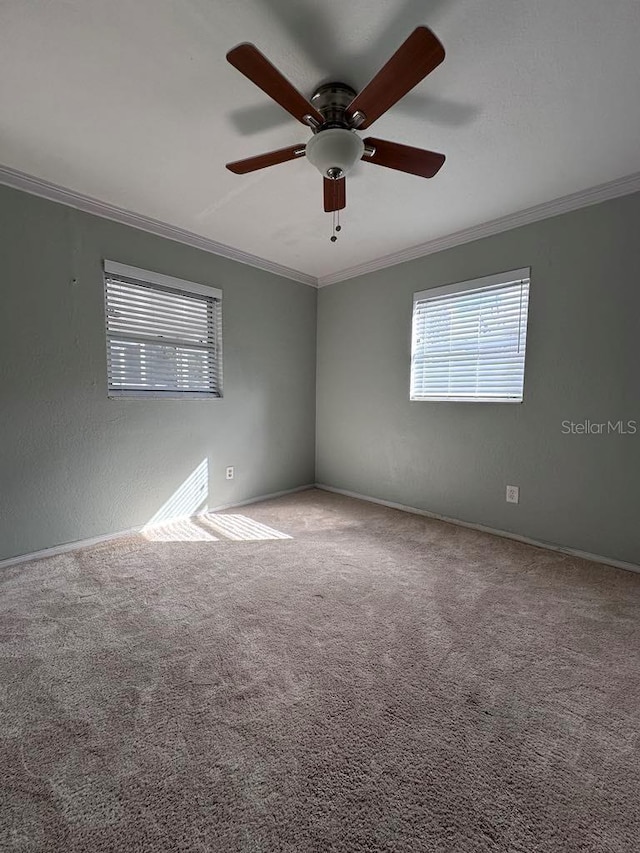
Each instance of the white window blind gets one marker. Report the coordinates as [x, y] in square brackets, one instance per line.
[163, 335]
[469, 340]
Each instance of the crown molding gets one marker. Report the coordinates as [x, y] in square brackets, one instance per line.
[52, 192]
[565, 204]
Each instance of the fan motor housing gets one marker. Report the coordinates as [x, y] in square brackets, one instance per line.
[331, 101]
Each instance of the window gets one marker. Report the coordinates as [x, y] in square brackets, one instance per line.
[164, 335]
[468, 340]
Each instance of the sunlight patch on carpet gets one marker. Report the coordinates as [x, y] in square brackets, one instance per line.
[240, 527]
[179, 530]
[211, 527]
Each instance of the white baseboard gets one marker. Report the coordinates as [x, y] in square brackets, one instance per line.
[550, 546]
[263, 498]
[84, 543]
[107, 537]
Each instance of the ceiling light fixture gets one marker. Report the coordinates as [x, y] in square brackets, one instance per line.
[334, 152]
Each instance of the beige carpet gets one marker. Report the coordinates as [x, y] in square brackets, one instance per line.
[376, 682]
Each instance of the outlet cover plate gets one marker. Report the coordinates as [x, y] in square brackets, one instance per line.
[513, 494]
[230, 472]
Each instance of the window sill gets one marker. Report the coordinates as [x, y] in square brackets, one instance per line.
[162, 395]
[463, 400]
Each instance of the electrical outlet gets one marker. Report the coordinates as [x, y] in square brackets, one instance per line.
[513, 494]
[230, 472]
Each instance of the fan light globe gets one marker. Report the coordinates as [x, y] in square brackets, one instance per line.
[334, 151]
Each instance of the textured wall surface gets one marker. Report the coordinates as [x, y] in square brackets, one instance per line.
[583, 361]
[75, 464]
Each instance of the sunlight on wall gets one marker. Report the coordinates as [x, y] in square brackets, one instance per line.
[184, 517]
[190, 497]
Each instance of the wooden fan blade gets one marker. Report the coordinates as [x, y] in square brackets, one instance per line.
[414, 59]
[335, 194]
[272, 158]
[254, 65]
[415, 161]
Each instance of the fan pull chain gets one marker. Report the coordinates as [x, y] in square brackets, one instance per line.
[335, 221]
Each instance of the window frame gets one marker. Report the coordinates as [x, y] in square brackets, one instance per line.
[505, 278]
[167, 283]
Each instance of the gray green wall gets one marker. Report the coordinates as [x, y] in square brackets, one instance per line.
[74, 464]
[455, 459]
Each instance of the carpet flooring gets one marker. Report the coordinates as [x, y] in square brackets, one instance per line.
[376, 682]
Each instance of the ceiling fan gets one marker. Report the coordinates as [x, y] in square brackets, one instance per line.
[336, 113]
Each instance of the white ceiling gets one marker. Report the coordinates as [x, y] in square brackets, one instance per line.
[135, 105]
